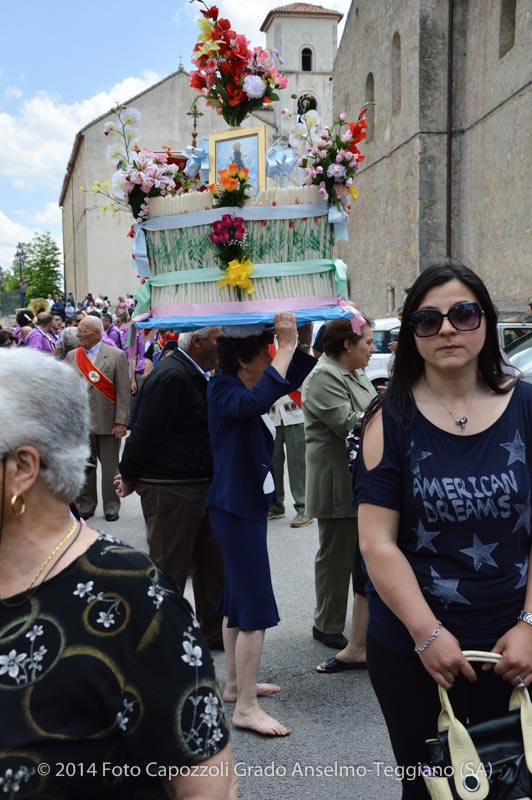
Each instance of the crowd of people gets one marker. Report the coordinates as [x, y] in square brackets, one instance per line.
[421, 494]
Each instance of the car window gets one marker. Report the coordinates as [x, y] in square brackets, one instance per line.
[381, 340]
[513, 334]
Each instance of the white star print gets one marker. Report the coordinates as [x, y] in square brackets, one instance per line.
[415, 457]
[523, 569]
[480, 553]
[445, 589]
[524, 512]
[424, 538]
[516, 449]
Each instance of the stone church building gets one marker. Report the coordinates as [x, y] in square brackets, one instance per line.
[449, 148]
[448, 153]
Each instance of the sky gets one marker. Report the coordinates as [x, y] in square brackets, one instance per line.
[64, 63]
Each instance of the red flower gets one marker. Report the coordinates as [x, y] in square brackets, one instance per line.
[197, 81]
[211, 13]
[235, 94]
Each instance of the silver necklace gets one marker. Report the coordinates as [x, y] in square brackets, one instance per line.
[460, 422]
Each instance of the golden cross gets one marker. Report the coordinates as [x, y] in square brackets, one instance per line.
[195, 114]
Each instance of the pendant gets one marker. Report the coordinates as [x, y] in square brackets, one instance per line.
[461, 422]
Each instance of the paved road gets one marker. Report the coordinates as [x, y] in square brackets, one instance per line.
[339, 747]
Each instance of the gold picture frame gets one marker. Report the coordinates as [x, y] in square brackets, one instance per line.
[250, 144]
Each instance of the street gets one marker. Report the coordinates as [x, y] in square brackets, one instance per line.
[339, 746]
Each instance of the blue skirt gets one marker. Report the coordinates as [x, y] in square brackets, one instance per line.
[248, 601]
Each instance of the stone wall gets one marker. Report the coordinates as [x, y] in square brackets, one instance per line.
[399, 224]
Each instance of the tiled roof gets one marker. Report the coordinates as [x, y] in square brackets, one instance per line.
[300, 9]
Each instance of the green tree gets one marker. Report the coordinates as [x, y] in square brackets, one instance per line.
[42, 269]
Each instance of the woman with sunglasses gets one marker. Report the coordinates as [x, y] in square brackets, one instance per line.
[443, 488]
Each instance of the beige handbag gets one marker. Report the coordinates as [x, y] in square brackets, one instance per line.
[490, 760]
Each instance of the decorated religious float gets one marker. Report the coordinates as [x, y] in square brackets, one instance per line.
[247, 246]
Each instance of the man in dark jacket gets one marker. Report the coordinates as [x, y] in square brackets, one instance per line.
[167, 460]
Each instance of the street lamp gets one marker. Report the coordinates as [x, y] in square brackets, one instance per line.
[20, 258]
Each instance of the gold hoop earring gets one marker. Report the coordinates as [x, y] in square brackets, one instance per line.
[18, 512]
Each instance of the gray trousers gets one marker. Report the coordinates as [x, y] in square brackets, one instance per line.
[106, 450]
[333, 566]
[181, 541]
[291, 437]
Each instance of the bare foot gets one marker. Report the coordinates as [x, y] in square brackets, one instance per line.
[259, 721]
[263, 690]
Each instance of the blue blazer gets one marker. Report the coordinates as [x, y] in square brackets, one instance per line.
[242, 445]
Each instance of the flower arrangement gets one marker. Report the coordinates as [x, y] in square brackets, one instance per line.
[233, 186]
[234, 79]
[139, 173]
[332, 158]
[230, 237]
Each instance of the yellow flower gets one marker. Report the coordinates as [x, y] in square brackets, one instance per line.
[353, 191]
[237, 274]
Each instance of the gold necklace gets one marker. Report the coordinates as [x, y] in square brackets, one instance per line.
[461, 422]
[49, 557]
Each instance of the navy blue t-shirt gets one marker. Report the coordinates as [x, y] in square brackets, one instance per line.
[465, 519]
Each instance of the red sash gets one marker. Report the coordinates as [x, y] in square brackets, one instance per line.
[96, 378]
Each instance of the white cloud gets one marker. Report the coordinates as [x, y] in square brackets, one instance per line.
[13, 93]
[37, 140]
[36, 145]
[11, 232]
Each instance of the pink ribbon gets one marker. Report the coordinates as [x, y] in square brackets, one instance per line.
[357, 320]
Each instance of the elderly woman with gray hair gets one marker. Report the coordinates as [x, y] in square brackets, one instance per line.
[85, 624]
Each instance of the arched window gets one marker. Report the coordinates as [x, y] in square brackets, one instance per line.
[306, 59]
[396, 73]
[506, 27]
[370, 114]
[305, 103]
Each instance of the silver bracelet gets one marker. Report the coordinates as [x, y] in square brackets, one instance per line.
[525, 616]
[303, 346]
[434, 635]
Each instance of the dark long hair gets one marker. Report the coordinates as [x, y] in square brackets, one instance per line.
[409, 365]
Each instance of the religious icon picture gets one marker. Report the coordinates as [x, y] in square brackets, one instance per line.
[245, 147]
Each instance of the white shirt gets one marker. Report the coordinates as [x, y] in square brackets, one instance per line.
[206, 375]
[93, 352]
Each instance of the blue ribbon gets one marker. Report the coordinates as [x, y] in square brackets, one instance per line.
[198, 161]
[280, 162]
[338, 218]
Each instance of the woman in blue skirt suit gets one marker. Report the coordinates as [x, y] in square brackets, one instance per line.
[242, 439]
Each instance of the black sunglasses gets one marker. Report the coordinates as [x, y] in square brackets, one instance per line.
[462, 316]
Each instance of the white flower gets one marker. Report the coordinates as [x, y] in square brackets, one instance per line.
[216, 735]
[37, 630]
[313, 118]
[211, 703]
[110, 127]
[254, 86]
[131, 116]
[84, 588]
[11, 663]
[192, 655]
[118, 184]
[121, 721]
[41, 652]
[114, 152]
[106, 619]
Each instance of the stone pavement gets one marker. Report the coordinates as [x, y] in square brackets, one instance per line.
[339, 747]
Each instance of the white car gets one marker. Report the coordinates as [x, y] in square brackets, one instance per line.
[385, 331]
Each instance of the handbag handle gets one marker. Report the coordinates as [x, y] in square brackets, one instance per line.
[461, 748]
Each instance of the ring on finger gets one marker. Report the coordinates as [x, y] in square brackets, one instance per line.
[521, 683]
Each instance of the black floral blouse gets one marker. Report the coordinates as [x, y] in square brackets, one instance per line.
[106, 682]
